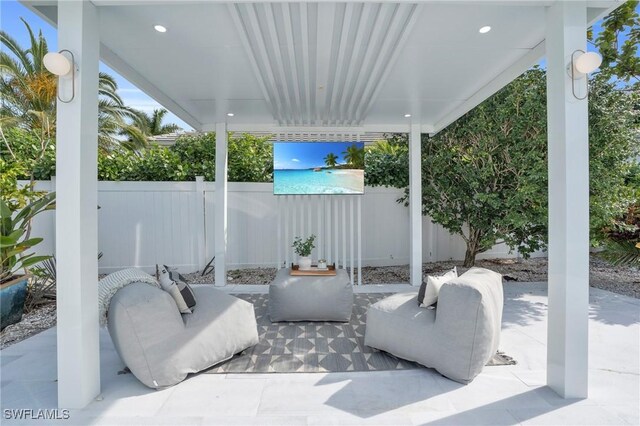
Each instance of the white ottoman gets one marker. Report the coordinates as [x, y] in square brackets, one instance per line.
[310, 298]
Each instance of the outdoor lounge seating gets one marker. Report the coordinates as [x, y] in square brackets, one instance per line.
[457, 338]
[161, 347]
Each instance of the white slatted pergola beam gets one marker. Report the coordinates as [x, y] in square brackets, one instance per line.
[287, 98]
[356, 54]
[293, 64]
[388, 65]
[368, 61]
[333, 89]
[308, 63]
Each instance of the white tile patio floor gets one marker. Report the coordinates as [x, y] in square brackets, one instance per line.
[500, 395]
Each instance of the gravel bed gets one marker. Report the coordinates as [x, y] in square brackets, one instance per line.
[620, 279]
[34, 322]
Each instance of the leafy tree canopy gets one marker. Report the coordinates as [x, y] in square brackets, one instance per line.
[618, 43]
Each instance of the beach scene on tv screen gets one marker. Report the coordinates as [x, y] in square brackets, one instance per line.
[318, 168]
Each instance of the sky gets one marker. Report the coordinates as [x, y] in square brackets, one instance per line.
[10, 13]
[306, 155]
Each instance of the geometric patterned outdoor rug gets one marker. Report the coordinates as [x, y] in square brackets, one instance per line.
[316, 347]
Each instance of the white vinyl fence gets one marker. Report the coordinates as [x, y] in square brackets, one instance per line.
[141, 224]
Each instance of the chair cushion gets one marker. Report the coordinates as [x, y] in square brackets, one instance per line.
[185, 289]
[428, 294]
[396, 324]
[161, 347]
[457, 338]
[178, 290]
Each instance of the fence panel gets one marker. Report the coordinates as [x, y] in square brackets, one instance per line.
[144, 223]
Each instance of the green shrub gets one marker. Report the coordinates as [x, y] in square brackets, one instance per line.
[387, 163]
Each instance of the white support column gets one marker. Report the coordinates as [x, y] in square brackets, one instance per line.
[77, 210]
[415, 204]
[221, 204]
[568, 146]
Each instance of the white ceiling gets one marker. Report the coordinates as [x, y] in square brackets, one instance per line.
[320, 64]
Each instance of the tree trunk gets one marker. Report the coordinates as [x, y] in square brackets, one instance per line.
[469, 257]
[473, 248]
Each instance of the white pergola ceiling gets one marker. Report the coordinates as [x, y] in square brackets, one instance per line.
[320, 64]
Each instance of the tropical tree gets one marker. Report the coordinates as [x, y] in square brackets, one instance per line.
[354, 156]
[618, 43]
[391, 146]
[150, 125]
[29, 94]
[331, 159]
[154, 123]
[485, 176]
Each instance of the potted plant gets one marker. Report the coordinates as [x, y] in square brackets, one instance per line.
[303, 250]
[14, 242]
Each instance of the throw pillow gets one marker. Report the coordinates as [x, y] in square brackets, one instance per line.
[185, 289]
[172, 288]
[174, 274]
[428, 294]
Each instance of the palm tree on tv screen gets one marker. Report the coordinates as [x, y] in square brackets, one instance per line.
[354, 156]
[331, 159]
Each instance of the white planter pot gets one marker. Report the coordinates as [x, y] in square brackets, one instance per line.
[304, 263]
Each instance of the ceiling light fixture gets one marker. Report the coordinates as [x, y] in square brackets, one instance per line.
[582, 63]
[484, 29]
[58, 64]
[230, 114]
[407, 115]
[160, 28]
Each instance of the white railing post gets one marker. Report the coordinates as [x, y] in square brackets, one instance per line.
[279, 231]
[359, 218]
[351, 231]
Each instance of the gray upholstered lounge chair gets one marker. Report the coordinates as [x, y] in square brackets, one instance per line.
[160, 346]
[457, 338]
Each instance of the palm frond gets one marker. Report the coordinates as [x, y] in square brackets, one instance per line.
[13, 46]
[622, 253]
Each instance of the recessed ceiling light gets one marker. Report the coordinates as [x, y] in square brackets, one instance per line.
[484, 29]
[407, 115]
[160, 28]
[230, 114]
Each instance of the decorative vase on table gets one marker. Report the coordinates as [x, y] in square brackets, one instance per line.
[304, 263]
[303, 249]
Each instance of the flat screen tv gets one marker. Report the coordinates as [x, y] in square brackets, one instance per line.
[318, 168]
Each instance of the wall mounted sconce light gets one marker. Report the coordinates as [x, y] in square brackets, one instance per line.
[582, 63]
[58, 64]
